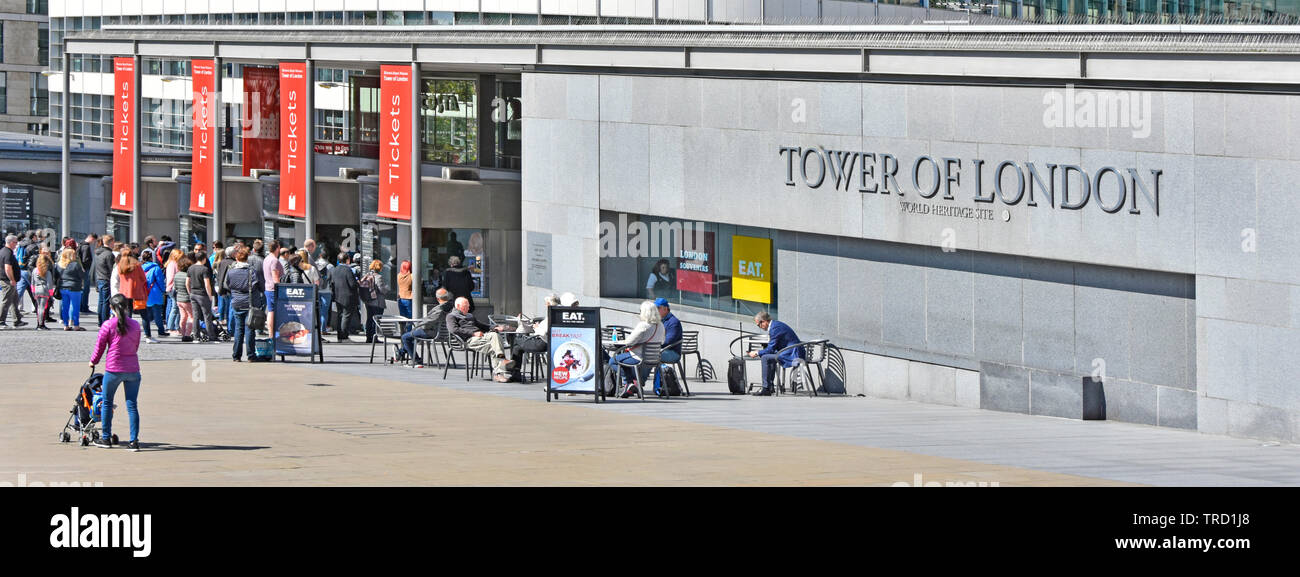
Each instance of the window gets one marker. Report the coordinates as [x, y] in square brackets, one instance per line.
[43, 44]
[413, 18]
[40, 98]
[496, 19]
[523, 19]
[507, 123]
[246, 19]
[360, 18]
[198, 19]
[2, 39]
[272, 18]
[467, 17]
[329, 18]
[300, 18]
[4, 92]
[222, 19]
[38, 7]
[555, 20]
[699, 262]
[449, 124]
[439, 18]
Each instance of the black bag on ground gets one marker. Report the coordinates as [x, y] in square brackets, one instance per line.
[736, 376]
[670, 383]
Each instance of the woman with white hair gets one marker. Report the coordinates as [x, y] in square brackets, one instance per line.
[649, 330]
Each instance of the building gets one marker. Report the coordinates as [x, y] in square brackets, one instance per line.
[977, 216]
[24, 34]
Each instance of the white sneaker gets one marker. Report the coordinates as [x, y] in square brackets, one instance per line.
[151, 340]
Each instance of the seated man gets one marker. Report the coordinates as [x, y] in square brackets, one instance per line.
[479, 337]
[779, 336]
[672, 334]
[537, 341]
[426, 327]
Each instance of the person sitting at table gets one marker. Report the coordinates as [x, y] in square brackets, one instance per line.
[779, 336]
[650, 330]
[426, 327]
[672, 334]
[481, 337]
[538, 341]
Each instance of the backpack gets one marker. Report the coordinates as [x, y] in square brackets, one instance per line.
[369, 293]
[670, 384]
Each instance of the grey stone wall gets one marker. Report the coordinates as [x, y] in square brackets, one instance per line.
[1193, 311]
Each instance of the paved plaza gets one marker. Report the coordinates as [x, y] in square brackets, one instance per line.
[208, 421]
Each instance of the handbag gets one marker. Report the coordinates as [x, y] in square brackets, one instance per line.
[256, 319]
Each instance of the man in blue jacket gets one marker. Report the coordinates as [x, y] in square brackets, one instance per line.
[779, 336]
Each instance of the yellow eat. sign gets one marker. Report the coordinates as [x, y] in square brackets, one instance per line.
[751, 260]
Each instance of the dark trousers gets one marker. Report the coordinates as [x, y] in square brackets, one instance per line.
[84, 301]
[771, 364]
[202, 307]
[371, 326]
[104, 313]
[146, 318]
[347, 318]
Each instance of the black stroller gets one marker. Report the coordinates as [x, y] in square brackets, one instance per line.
[86, 414]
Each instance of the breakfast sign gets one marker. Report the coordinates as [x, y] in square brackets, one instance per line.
[296, 333]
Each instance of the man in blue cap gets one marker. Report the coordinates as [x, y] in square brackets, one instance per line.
[673, 329]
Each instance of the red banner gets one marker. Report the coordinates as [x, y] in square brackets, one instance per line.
[261, 122]
[395, 141]
[124, 114]
[695, 268]
[293, 139]
[203, 164]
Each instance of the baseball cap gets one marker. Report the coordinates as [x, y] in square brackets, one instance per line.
[661, 302]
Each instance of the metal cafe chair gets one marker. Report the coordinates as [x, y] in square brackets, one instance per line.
[691, 346]
[642, 370]
[388, 332]
[432, 345]
[472, 365]
[814, 355]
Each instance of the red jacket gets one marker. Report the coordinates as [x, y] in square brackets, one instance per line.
[134, 285]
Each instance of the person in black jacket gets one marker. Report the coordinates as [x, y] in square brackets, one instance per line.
[481, 337]
[103, 269]
[458, 281]
[343, 284]
[86, 255]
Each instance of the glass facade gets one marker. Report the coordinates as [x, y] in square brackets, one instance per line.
[688, 263]
[449, 127]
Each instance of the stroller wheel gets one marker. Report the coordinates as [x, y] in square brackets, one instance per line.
[85, 441]
[64, 437]
[114, 438]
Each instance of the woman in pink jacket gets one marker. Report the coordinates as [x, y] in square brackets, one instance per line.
[120, 338]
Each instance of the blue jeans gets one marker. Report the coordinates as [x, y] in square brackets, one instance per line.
[132, 382]
[666, 358]
[408, 341]
[325, 300]
[158, 314]
[25, 282]
[404, 307]
[173, 313]
[85, 295]
[240, 334]
[69, 307]
[628, 375]
[223, 308]
[104, 313]
[146, 317]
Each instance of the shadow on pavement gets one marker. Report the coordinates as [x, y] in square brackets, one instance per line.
[170, 447]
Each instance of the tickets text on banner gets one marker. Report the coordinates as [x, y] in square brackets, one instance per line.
[124, 114]
[751, 260]
[203, 163]
[293, 139]
[395, 132]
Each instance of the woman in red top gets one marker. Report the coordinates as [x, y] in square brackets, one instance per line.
[133, 284]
